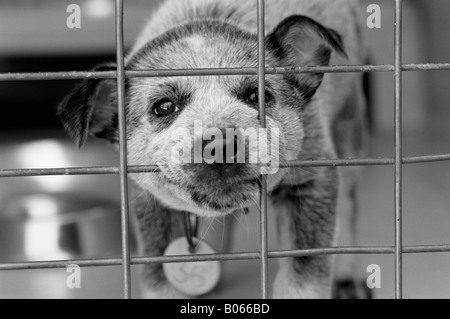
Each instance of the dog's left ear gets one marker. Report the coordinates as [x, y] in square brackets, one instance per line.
[301, 41]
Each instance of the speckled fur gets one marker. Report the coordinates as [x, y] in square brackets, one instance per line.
[320, 117]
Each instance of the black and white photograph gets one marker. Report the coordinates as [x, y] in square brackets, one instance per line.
[227, 150]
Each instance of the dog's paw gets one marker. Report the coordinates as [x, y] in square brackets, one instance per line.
[351, 289]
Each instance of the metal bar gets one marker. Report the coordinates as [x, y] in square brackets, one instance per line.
[262, 118]
[426, 159]
[398, 151]
[375, 250]
[369, 161]
[82, 75]
[398, 161]
[57, 76]
[426, 249]
[123, 150]
[70, 171]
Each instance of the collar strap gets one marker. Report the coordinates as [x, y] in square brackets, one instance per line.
[191, 222]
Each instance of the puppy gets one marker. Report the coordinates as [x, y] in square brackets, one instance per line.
[317, 116]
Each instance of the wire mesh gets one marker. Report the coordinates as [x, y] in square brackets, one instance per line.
[261, 71]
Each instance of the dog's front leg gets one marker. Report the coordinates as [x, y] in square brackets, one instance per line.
[306, 220]
[155, 227]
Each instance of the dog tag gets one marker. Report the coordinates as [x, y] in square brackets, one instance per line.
[192, 278]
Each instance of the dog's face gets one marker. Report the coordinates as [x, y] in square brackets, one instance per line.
[170, 116]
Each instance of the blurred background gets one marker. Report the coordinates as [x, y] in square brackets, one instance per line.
[78, 217]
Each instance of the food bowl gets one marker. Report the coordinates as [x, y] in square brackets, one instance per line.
[53, 226]
[58, 217]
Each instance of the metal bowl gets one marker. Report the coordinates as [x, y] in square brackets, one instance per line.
[57, 226]
[58, 217]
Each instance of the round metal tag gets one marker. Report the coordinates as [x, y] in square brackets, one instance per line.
[192, 278]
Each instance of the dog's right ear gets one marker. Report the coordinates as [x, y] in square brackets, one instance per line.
[301, 41]
[91, 108]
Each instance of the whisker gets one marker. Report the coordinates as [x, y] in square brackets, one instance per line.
[247, 225]
[223, 233]
[256, 203]
[206, 231]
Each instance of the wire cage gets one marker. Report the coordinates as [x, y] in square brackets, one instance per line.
[263, 255]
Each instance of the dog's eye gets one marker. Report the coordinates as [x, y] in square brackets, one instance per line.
[165, 107]
[253, 97]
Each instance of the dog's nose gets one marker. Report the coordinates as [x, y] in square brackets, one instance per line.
[221, 152]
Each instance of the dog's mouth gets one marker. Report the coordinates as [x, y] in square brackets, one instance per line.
[228, 197]
[222, 196]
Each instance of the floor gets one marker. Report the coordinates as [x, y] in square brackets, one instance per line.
[426, 221]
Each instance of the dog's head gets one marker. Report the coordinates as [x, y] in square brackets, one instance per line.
[207, 120]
